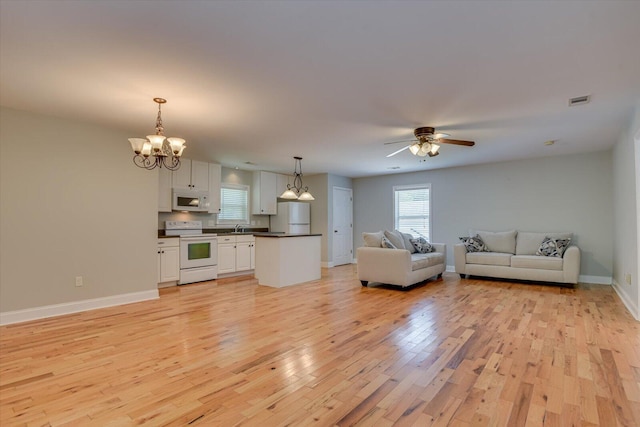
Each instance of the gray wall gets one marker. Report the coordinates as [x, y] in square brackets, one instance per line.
[72, 204]
[626, 215]
[565, 193]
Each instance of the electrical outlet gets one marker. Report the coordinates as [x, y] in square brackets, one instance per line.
[211, 223]
[79, 281]
[627, 278]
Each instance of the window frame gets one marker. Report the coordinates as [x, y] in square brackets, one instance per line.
[243, 187]
[400, 188]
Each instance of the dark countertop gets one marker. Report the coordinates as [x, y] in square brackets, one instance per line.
[223, 232]
[279, 235]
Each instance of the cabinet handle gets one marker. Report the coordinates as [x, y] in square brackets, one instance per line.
[158, 251]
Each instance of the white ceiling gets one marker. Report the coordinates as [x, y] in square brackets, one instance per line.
[262, 81]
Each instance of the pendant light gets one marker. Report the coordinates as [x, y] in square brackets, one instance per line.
[297, 192]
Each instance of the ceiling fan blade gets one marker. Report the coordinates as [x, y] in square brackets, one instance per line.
[398, 151]
[398, 142]
[456, 142]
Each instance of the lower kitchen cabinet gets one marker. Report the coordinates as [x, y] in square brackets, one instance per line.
[236, 253]
[226, 254]
[168, 260]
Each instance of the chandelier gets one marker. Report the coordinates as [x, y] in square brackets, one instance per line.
[297, 192]
[157, 150]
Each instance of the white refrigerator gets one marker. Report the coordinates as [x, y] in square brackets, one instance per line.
[292, 218]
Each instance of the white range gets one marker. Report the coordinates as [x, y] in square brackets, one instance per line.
[198, 251]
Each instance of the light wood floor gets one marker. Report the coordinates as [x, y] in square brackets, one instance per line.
[451, 352]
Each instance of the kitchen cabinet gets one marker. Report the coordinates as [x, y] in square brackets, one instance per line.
[236, 253]
[264, 195]
[226, 254]
[215, 178]
[245, 253]
[168, 260]
[192, 175]
[164, 190]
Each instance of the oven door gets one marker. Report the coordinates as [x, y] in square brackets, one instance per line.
[198, 251]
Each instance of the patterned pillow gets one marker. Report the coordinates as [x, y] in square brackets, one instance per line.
[553, 247]
[421, 245]
[386, 243]
[474, 244]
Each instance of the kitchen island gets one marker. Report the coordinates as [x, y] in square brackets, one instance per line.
[287, 259]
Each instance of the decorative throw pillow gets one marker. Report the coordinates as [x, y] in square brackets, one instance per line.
[474, 244]
[407, 242]
[373, 240]
[386, 243]
[395, 237]
[553, 247]
[422, 246]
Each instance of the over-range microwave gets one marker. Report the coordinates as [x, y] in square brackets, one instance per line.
[190, 200]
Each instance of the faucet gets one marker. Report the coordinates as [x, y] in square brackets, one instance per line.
[235, 229]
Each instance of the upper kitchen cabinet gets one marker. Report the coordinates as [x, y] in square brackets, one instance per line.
[164, 190]
[215, 177]
[192, 175]
[281, 183]
[265, 193]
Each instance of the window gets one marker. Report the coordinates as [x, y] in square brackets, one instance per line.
[412, 209]
[234, 204]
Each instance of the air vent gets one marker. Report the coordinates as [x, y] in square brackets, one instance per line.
[393, 167]
[579, 100]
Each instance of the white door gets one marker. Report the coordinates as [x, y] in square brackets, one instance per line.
[243, 256]
[342, 226]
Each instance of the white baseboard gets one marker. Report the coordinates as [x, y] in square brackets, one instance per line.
[450, 269]
[596, 280]
[324, 264]
[631, 305]
[17, 316]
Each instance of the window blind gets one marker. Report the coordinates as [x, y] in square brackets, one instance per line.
[234, 204]
[412, 210]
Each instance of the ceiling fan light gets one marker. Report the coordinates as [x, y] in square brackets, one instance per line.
[414, 148]
[434, 150]
[289, 194]
[424, 149]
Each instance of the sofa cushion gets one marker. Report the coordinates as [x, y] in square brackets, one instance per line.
[528, 243]
[386, 243]
[395, 237]
[474, 244]
[489, 258]
[421, 245]
[374, 240]
[407, 242]
[501, 241]
[551, 247]
[537, 262]
[419, 261]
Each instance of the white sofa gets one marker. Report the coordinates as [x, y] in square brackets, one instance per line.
[399, 266]
[512, 255]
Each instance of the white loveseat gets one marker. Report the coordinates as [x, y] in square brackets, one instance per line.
[399, 267]
[512, 255]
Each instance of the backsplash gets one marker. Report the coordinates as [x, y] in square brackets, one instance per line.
[208, 220]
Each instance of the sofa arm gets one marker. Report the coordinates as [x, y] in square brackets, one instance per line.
[441, 248]
[571, 264]
[460, 257]
[382, 264]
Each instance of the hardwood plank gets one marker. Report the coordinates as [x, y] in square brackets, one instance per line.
[456, 352]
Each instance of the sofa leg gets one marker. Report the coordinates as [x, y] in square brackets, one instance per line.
[364, 282]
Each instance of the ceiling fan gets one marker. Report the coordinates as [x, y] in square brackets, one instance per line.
[426, 142]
